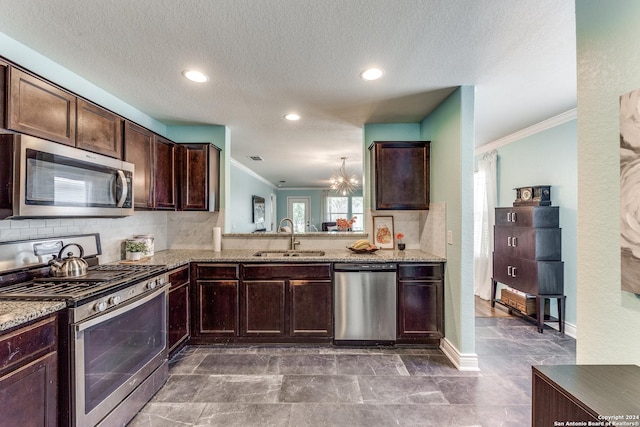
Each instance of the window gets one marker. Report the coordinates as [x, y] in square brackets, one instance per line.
[346, 207]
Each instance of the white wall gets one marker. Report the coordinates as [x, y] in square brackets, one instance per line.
[608, 66]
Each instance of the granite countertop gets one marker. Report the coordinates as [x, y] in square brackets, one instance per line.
[15, 313]
[176, 257]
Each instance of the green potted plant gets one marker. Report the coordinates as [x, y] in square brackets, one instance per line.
[135, 249]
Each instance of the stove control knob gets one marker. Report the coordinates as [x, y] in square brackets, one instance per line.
[115, 300]
[161, 281]
[100, 306]
[151, 285]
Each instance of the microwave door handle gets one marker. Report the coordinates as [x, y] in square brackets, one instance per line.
[122, 179]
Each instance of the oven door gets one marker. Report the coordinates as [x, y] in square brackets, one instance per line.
[115, 352]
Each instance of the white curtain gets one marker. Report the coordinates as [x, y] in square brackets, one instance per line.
[485, 199]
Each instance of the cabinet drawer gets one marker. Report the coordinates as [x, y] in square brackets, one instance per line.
[534, 277]
[529, 216]
[287, 271]
[216, 271]
[179, 276]
[421, 271]
[530, 243]
[27, 343]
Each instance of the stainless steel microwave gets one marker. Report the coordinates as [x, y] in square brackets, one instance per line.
[53, 180]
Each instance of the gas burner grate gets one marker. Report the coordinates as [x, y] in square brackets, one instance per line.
[76, 288]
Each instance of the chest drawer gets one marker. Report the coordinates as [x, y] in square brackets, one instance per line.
[532, 243]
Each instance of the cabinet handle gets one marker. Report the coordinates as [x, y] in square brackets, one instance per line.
[513, 272]
[514, 217]
[508, 216]
[509, 270]
[514, 241]
[509, 241]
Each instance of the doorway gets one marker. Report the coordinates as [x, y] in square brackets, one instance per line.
[298, 210]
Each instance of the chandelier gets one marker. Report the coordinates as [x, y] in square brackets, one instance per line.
[343, 182]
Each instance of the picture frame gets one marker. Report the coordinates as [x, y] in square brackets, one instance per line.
[383, 233]
[258, 209]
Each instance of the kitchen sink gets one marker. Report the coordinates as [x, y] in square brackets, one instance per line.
[288, 254]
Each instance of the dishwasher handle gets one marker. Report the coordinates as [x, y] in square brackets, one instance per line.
[365, 267]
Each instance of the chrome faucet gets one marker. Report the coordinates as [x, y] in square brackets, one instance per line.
[292, 242]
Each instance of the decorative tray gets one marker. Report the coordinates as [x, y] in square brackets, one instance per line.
[363, 251]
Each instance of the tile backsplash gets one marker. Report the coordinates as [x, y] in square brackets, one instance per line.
[113, 231]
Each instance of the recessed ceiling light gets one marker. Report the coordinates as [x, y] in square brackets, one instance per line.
[292, 116]
[195, 76]
[371, 74]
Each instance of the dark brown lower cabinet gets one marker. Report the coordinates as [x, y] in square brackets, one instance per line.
[263, 308]
[310, 308]
[29, 375]
[179, 311]
[420, 303]
[585, 393]
[262, 302]
[216, 301]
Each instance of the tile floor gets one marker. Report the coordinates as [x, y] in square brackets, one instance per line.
[334, 386]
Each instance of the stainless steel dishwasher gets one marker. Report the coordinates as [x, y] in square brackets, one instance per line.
[365, 304]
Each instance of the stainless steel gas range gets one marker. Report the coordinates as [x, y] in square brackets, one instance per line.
[112, 336]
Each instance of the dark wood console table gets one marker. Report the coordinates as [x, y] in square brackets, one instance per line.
[587, 393]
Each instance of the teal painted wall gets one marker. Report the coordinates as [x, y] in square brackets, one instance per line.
[450, 128]
[548, 158]
[240, 207]
[608, 66]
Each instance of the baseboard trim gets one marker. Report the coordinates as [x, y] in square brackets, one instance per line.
[569, 329]
[462, 361]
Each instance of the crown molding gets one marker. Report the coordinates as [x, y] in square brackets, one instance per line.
[531, 130]
[248, 171]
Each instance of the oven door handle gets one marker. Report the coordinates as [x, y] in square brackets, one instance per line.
[79, 327]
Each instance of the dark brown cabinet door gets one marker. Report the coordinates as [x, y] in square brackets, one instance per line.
[420, 302]
[41, 109]
[199, 177]
[138, 149]
[310, 311]
[99, 130]
[28, 396]
[29, 375]
[164, 173]
[420, 309]
[179, 310]
[263, 308]
[217, 307]
[401, 174]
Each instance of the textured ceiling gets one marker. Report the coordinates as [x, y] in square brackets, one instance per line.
[269, 57]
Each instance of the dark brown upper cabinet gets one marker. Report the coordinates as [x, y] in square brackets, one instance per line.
[154, 157]
[199, 177]
[38, 108]
[138, 149]
[401, 175]
[99, 130]
[164, 174]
